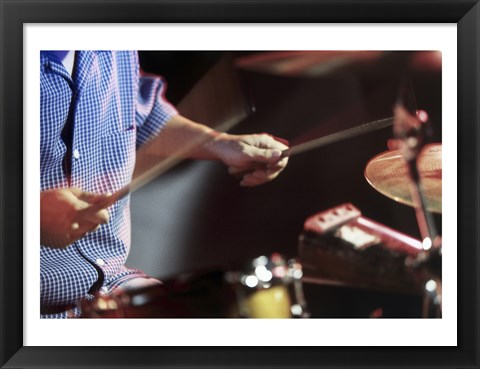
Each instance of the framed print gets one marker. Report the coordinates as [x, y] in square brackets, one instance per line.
[271, 252]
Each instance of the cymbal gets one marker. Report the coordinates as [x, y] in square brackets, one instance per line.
[388, 174]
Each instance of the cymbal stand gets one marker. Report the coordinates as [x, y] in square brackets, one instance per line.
[409, 130]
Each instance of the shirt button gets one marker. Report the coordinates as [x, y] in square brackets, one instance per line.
[100, 262]
[76, 154]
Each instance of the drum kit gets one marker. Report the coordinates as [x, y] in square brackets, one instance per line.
[265, 287]
[337, 247]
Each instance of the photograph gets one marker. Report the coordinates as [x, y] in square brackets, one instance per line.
[347, 133]
[239, 185]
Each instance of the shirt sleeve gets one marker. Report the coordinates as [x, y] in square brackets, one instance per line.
[153, 110]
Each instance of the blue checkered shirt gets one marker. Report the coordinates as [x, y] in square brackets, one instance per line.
[111, 111]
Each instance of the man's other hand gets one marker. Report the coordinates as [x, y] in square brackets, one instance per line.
[68, 214]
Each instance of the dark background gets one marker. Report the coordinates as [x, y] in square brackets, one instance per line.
[196, 216]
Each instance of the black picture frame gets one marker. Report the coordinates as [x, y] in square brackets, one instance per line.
[15, 13]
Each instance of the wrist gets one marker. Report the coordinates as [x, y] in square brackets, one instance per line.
[215, 144]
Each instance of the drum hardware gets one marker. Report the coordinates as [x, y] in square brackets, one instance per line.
[397, 173]
[269, 287]
[432, 303]
[341, 246]
[410, 128]
[428, 265]
[421, 187]
[266, 287]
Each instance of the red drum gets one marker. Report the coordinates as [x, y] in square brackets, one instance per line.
[190, 295]
[266, 287]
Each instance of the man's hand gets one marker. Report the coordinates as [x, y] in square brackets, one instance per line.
[68, 214]
[257, 157]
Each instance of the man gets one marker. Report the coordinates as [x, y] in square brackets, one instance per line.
[96, 111]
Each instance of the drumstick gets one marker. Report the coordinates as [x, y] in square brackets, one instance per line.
[338, 136]
[164, 165]
[323, 141]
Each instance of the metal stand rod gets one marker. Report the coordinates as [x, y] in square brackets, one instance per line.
[425, 221]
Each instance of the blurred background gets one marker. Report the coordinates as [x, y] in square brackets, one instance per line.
[196, 216]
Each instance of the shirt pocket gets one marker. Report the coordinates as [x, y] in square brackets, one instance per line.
[119, 158]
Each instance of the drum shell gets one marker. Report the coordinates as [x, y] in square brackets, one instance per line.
[269, 287]
[190, 295]
[215, 293]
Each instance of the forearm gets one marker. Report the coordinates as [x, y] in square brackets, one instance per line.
[258, 155]
[183, 138]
